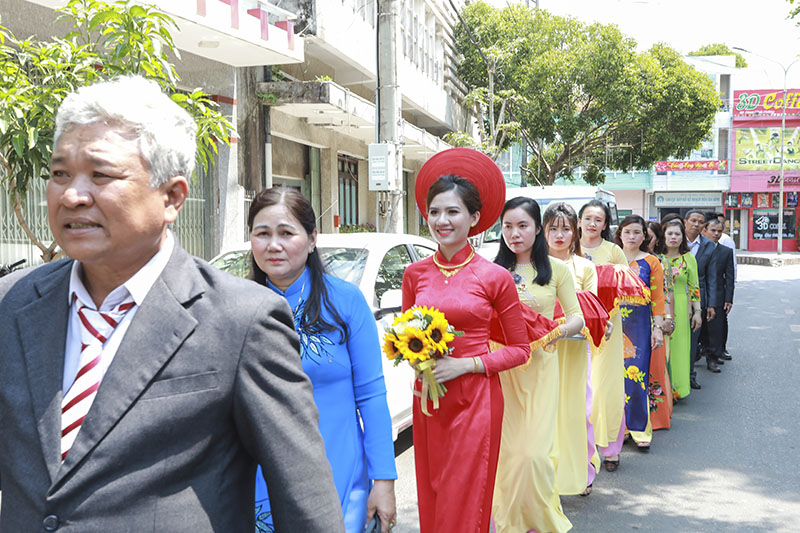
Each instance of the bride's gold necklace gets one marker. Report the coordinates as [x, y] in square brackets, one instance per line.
[451, 270]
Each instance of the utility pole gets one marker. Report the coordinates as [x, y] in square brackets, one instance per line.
[389, 117]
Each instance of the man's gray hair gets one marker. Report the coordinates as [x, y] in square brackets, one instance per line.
[166, 133]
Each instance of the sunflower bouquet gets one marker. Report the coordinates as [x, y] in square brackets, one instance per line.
[420, 336]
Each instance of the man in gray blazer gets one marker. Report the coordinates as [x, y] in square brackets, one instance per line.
[196, 380]
[701, 248]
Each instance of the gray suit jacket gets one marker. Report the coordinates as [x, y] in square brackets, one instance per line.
[722, 270]
[206, 384]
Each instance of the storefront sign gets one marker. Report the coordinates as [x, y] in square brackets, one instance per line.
[765, 102]
[683, 166]
[688, 199]
[764, 181]
[760, 149]
[765, 224]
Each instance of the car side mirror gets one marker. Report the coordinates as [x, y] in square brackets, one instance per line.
[391, 302]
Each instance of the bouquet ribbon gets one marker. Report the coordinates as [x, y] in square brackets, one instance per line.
[430, 388]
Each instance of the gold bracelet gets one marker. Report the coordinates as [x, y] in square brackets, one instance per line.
[477, 368]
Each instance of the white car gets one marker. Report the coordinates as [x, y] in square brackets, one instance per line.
[375, 262]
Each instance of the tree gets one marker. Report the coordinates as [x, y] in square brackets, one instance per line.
[105, 41]
[719, 49]
[584, 96]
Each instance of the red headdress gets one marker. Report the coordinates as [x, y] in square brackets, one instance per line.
[474, 166]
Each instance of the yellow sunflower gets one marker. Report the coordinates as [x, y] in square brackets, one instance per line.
[414, 345]
[434, 313]
[438, 334]
[403, 318]
[390, 346]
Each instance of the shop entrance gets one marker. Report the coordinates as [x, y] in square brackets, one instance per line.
[736, 225]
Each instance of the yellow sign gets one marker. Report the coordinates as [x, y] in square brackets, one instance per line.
[760, 149]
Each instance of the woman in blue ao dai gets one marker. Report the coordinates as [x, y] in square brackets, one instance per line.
[340, 353]
[642, 328]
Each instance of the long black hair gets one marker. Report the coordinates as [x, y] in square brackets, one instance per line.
[312, 320]
[627, 221]
[539, 254]
[606, 233]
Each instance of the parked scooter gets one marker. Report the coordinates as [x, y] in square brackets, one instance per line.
[8, 269]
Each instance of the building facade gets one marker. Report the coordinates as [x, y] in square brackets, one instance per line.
[217, 40]
[700, 180]
[315, 136]
[753, 203]
[323, 113]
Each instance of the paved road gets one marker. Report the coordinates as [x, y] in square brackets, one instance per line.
[731, 461]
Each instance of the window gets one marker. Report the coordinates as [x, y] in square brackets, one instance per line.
[348, 190]
[390, 273]
[423, 251]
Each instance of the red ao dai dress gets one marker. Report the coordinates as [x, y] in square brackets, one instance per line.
[456, 448]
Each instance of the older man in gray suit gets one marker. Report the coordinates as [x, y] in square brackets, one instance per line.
[139, 387]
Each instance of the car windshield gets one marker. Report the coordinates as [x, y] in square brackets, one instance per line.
[494, 234]
[345, 263]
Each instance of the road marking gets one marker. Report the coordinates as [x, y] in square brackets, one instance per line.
[785, 300]
[795, 328]
[789, 311]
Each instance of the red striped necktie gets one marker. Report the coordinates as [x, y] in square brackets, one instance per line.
[96, 328]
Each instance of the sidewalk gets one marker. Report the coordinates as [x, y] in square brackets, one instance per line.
[767, 258]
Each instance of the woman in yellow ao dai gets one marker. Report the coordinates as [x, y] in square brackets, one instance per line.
[608, 363]
[578, 460]
[525, 496]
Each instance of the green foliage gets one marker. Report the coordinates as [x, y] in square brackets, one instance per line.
[107, 40]
[720, 49]
[583, 95]
[357, 228]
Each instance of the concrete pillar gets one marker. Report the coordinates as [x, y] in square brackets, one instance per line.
[329, 186]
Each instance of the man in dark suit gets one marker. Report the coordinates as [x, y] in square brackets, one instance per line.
[721, 269]
[140, 387]
[701, 248]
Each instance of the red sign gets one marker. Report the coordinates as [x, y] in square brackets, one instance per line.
[683, 166]
[765, 102]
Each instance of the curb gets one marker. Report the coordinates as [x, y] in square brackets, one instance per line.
[773, 261]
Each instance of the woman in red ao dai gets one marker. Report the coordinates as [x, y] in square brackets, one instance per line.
[456, 448]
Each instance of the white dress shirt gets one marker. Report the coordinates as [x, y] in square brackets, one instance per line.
[694, 245]
[137, 287]
[727, 240]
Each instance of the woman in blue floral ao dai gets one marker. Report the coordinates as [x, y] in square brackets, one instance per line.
[340, 353]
